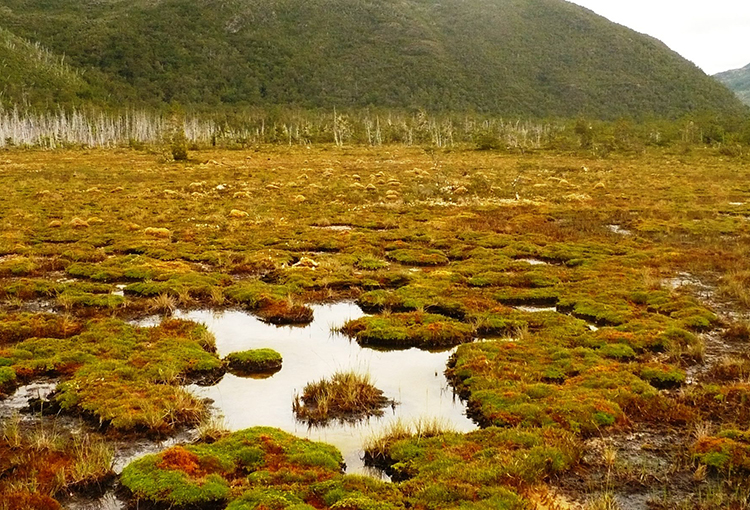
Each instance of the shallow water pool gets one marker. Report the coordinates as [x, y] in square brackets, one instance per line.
[414, 378]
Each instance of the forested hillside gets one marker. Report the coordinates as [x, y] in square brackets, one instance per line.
[520, 57]
[30, 74]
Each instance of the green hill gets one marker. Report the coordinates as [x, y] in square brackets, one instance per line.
[30, 74]
[521, 57]
[738, 80]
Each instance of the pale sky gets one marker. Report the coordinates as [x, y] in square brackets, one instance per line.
[713, 34]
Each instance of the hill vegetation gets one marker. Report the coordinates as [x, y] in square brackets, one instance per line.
[737, 80]
[30, 74]
[537, 58]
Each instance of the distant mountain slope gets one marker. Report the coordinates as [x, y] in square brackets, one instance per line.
[521, 57]
[29, 74]
[738, 80]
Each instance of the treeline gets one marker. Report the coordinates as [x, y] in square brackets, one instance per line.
[250, 128]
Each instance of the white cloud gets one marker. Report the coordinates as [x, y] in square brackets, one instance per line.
[714, 35]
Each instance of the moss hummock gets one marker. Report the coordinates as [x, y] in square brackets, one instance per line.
[403, 330]
[122, 375]
[254, 361]
[237, 466]
[728, 451]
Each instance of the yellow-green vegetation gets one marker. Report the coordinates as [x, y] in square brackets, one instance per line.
[487, 468]
[266, 468]
[546, 59]
[254, 361]
[251, 467]
[577, 288]
[347, 396]
[415, 329]
[118, 374]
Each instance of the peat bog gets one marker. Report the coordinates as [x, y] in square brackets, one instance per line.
[547, 328]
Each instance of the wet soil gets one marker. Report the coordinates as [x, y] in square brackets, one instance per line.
[646, 467]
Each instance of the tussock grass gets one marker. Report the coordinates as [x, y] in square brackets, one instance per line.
[212, 428]
[285, 311]
[164, 303]
[46, 461]
[736, 285]
[738, 332]
[346, 396]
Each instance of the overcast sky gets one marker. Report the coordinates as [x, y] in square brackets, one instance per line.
[713, 34]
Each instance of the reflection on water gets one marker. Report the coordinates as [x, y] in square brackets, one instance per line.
[536, 309]
[414, 378]
[534, 262]
[19, 400]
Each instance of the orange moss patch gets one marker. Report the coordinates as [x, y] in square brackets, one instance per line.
[271, 446]
[723, 452]
[466, 451]
[283, 312]
[179, 459]
[42, 465]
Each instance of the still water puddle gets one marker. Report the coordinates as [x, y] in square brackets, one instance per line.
[618, 229]
[19, 400]
[414, 378]
[536, 309]
[534, 262]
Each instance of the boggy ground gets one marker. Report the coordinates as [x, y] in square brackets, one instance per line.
[559, 264]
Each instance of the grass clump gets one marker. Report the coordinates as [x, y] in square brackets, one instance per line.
[440, 470]
[254, 361]
[403, 330]
[7, 378]
[18, 327]
[285, 312]
[589, 310]
[346, 396]
[513, 296]
[48, 464]
[376, 447]
[370, 263]
[212, 428]
[617, 351]
[574, 389]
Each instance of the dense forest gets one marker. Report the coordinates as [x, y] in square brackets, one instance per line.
[533, 58]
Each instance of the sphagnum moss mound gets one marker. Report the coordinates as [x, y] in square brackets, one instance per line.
[121, 375]
[254, 361]
[213, 474]
[345, 396]
[404, 330]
